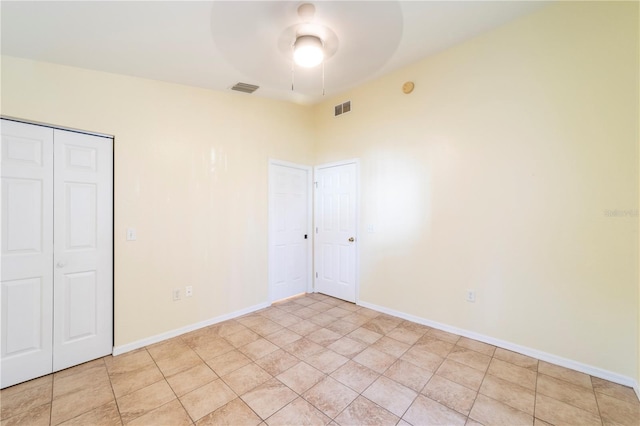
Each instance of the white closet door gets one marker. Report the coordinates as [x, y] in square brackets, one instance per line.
[27, 252]
[83, 294]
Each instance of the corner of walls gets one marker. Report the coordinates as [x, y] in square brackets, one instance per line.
[495, 175]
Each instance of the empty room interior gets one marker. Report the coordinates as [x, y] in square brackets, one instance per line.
[434, 223]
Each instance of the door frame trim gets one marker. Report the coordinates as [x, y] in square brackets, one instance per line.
[310, 267]
[355, 161]
[52, 126]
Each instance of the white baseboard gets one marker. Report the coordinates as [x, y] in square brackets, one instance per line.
[119, 350]
[544, 356]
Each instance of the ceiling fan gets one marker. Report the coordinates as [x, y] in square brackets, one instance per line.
[309, 43]
[269, 41]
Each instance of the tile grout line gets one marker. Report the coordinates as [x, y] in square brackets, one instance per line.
[486, 373]
[193, 422]
[51, 403]
[298, 395]
[115, 400]
[257, 365]
[325, 375]
[569, 403]
[417, 393]
[596, 397]
[535, 393]
[53, 380]
[219, 377]
[164, 378]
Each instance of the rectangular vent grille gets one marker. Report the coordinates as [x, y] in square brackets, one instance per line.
[245, 87]
[342, 109]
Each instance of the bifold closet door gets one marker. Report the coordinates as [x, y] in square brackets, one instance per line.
[27, 252]
[57, 239]
[83, 290]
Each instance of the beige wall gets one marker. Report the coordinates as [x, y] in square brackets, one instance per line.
[495, 174]
[190, 176]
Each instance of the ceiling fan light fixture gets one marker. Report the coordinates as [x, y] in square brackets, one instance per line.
[308, 51]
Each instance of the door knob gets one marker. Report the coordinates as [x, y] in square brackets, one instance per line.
[351, 239]
[60, 264]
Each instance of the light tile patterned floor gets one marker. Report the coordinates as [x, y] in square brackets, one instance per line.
[319, 360]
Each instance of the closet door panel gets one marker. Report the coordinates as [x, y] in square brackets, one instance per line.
[26, 252]
[83, 248]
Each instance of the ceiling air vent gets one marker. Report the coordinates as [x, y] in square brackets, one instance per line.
[245, 87]
[342, 109]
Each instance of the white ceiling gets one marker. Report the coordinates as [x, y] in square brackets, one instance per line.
[215, 44]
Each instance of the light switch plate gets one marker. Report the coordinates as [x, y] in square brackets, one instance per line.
[131, 234]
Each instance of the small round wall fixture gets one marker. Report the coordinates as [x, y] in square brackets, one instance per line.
[408, 87]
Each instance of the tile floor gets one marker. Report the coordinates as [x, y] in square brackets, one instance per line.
[318, 360]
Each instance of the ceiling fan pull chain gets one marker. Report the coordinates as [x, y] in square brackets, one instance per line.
[293, 64]
[322, 78]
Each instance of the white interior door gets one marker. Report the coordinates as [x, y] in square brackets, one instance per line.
[336, 226]
[289, 224]
[83, 248]
[27, 252]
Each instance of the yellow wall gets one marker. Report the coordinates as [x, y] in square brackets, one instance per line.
[190, 176]
[495, 175]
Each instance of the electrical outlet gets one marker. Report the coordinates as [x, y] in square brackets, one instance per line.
[176, 294]
[471, 296]
[188, 291]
